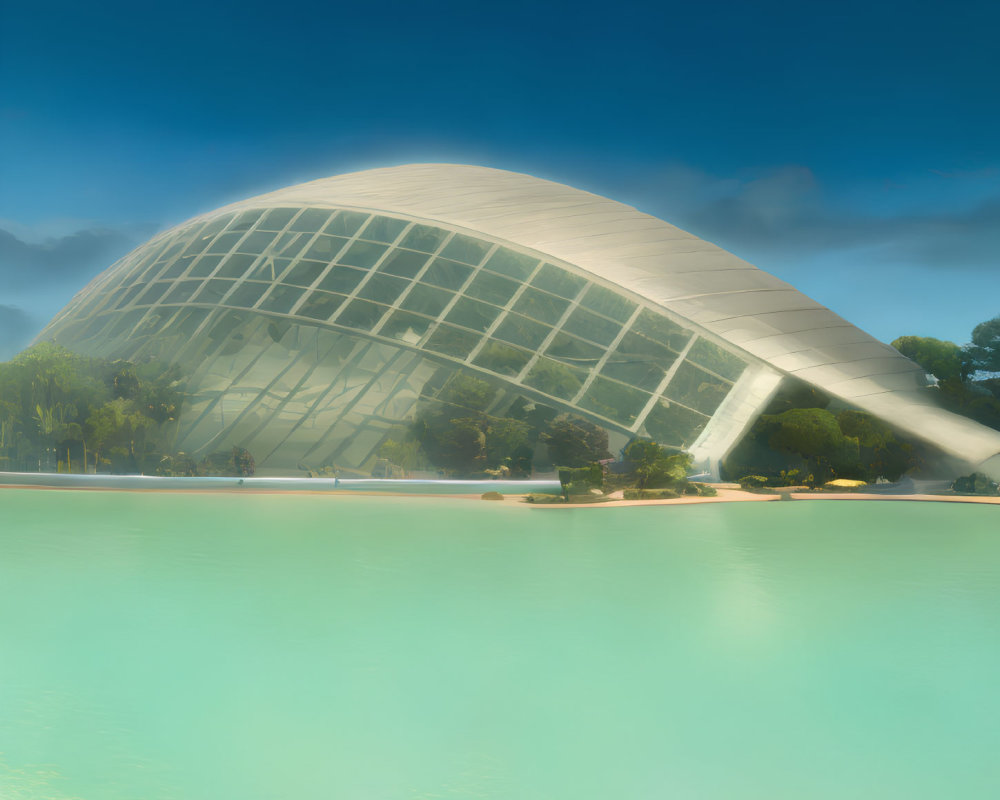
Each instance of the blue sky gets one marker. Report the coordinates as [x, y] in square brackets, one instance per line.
[852, 149]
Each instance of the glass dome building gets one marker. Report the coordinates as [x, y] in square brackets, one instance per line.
[314, 321]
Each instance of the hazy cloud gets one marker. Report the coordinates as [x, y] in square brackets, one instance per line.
[785, 214]
[16, 330]
[67, 259]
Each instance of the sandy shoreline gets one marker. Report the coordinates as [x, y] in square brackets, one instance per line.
[725, 495]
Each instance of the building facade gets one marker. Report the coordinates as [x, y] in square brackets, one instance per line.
[315, 321]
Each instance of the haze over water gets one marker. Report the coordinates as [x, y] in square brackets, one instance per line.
[261, 646]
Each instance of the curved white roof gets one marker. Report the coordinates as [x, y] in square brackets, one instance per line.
[723, 294]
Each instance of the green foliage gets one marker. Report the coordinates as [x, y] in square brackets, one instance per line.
[705, 490]
[580, 480]
[976, 483]
[179, 465]
[575, 442]
[983, 354]
[509, 443]
[651, 466]
[753, 481]
[55, 404]
[405, 454]
[236, 462]
[455, 434]
[795, 393]
[814, 442]
[650, 494]
[944, 360]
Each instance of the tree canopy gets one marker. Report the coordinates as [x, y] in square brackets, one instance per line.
[946, 361]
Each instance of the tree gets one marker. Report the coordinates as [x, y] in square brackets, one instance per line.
[983, 354]
[508, 443]
[944, 360]
[575, 442]
[652, 466]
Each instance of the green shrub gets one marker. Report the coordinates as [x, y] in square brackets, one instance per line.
[976, 483]
[753, 482]
[650, 494]
[579, 480]
[544, 499]
[705, 490]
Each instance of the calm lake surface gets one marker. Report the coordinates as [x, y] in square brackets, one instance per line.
[240, 647]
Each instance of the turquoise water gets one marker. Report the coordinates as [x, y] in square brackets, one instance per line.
[266, 646]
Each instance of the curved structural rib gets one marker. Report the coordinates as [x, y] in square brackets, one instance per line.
[352, 291]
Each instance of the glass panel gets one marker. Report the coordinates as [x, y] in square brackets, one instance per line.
[245, 221]
[406, 327]
[363, 254]
[555, 379]
[383, 229]
[614, 401]
[204, 266]
[404, 263]
[492, 288]
[660, 329]
[180, 239]
[277, 218]
[634, 347]
[465, 249]
[558, 281]
[130, 294]
[224, 243]
[452, 341]
[213, 291]
[574, 351]
[290, 244]
[304, 273]
[341, 279]
[188, 322]
[423, 238]
[346, 223]
[383, 288]
[671, 424]
[590, 326]
[270, 268]
[697, 389]
[472, 314]
[709, 355]
[213, 227]
[175, 270]
[608, 303]
[153, 293]
[182, 292]
[312, 219]
[361, 314]
[236, 266]
[541, 306]
[511, 264]
[324, 248]
[247, 294]
[641, 372]
[125, 323]
[256, 242]
[426, 300]
[447, 274]
[523, 331]
[320, 305]
[281, 299]
[502, 358]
